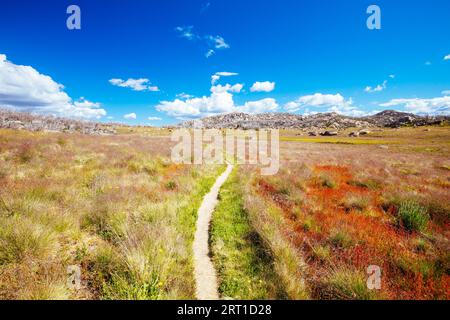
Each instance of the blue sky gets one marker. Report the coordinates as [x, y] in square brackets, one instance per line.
[309, 56]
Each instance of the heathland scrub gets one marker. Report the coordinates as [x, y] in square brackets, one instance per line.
[115, 207]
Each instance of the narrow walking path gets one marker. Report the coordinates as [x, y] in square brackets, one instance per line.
[205, 274]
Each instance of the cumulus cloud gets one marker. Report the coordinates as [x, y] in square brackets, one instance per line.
[142, 84]
[265, 86]
[328, 102]
[260, 106]
[216, 77]
[316, 100]
[231, 88]
[154, 118]
[130, 116]
[447, 57]
[212, 42]
[220, 101]
[378, 88]
[439, 105]
[24, 88]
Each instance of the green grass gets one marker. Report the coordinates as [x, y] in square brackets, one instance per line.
[117, 208]
[151, 269]
[413, 216]
[244, 265]
[321, 253]
[345, 284]
[327, 182]
[341, 238]
[20, 238]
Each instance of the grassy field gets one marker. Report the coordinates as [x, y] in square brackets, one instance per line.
[115, 206]
[244, 264]
[331, 212]
[118, 208]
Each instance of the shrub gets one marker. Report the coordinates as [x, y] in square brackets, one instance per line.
[124, 288]
[421, 245]
[413, 216]
[308, 224]
[20, 238]
[321, 253]
[341, 239]
[327, 182]
[366, 184]
[171, 185]
[358, 202]
[348, 285]
[25, 153]
[61, 141]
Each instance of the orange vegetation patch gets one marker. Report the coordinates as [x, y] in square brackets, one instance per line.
[273, 193]
[349, 219]
[172, 169]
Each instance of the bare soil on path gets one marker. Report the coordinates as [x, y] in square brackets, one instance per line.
[205, 274]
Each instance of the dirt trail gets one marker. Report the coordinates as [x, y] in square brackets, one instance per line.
[205, 274]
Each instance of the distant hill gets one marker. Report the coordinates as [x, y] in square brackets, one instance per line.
[388, 118]
[26, 121]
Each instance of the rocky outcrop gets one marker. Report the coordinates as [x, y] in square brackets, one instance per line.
[25, 121]
[276, 121]
[313, 123]
[396, 119]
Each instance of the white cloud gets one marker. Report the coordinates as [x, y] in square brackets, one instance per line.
[392, 76]
[184, 96]
[142, 84]
[24, 88]
[330, 102]
[231, 88]
[260, 106]
[219, 102]
[447, 57]
[130, 116]
[186, 32]
[446, 92]
[218, 42]
[265, 86]
[439, 105]
[154, 118]
[316, 100]
[216, 77]
[378, 88]
[211, 42]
